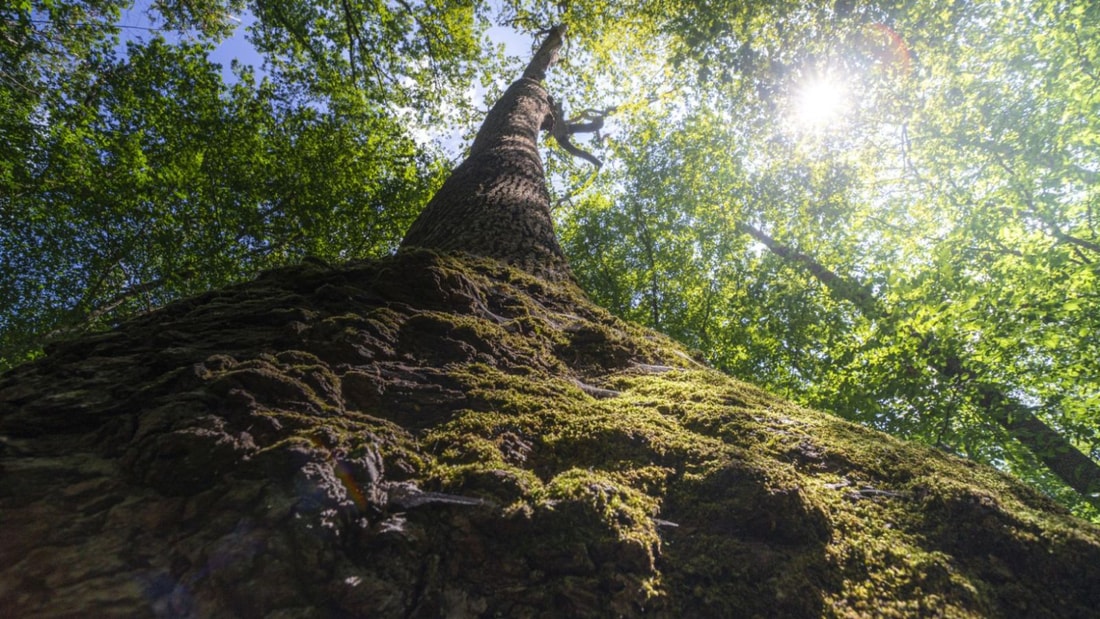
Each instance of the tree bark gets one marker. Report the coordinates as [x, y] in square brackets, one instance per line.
[495, 203]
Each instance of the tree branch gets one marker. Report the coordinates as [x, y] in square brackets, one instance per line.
[562, 129]
[1073, 467]
[353, 38]
[841, 287]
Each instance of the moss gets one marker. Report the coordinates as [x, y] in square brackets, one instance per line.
[678, 491]
[810, 513]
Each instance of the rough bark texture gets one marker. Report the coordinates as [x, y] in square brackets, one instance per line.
[495, 203]
[431, 436]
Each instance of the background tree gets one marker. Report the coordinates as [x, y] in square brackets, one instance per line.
[742, 255]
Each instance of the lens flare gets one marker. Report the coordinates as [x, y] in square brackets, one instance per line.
[820, 102]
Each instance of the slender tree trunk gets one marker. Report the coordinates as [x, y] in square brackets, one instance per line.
[1077, 470]
[495, 203]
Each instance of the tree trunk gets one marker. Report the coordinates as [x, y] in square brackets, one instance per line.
[495, 203]
[1053, 449]
[440, 434]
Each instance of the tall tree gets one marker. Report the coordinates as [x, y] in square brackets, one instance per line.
[954, 185]
[496, 204]
[443, 433]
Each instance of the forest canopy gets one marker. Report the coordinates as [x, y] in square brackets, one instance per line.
[885, 210]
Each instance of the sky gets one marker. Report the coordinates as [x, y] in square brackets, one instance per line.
[136, 25]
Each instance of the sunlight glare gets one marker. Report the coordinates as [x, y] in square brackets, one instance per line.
[820, 102]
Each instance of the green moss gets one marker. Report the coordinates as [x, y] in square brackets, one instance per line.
[617, 473]
[779, 508]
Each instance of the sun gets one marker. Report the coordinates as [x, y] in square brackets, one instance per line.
[820, 102]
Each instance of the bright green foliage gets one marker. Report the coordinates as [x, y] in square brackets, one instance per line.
[131, 179]
[165, 181]
[411, 54]
[939, 236]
